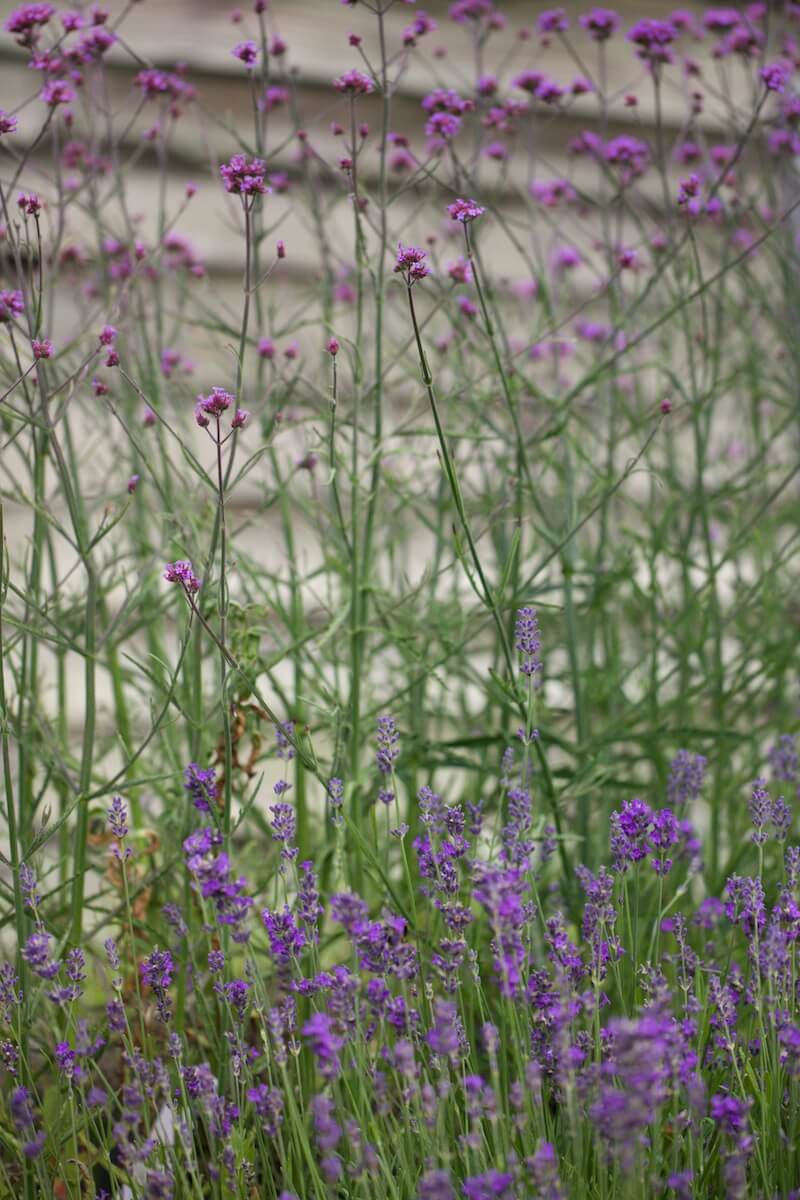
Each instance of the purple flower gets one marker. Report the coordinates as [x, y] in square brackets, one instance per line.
[790, 1050]
[214, 880]
[653, 39]
[792, 865]
[237, 994]
[442, 127]
[388, 745]
[553, 192]
[112, 953]
[349, 910]
[34, 1147]
[56, 92]
[75, 967]
[19, 1103]
[12, 304]
[445, 100]
[465, 211]
[688, 190]
[285, 749]
[201, 786]
[783, 141]
[542, 1168]
[664, 834]
[94, 44]
[601, 23]
[685, 21]
[501, 891]
[181, 572]
[565, 258]
[65, 1058]
[174, 918]
[478, 11]
[774, 76]
[685, 783]
[549, 92]
[286, 938]
[781, 819]
[640, 1064]
[527, 640]
[268, 1103]
[29, 886]
[354, 83]
[760, 806]
[115, 1015]
[243, 176]
[199, 1081]
[593, 331]
[629, 153]
[431, 809]
[743, 39]
[36, 953]
[154, 84]
[581, 86]
[745, 904]
[435, 1185]
[410, 263]
[381, 946]
[331, 1167]
[213, 405]
[720, 20]
[421, 25]
[284, 826]
[730, 1113]
[498, 152]
[599, 918]
[156, 972]
[25, 22]
[445, 1038]
[8, 123]
[29, 203]
[247, 53]
[96, 1097]
[629, 830]
[783, 759]
[118, 818]
[325, 1046]
[529, 80]
[517, 847]
[336, 799]
[492, 1185]
[21, 1109]
[159, 1185]
[553, 20]
[308, 903]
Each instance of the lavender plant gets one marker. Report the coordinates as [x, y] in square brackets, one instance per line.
[398, 686]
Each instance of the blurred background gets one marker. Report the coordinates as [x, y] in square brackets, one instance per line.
[198, 36]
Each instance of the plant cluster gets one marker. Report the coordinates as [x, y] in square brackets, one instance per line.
[403, 850]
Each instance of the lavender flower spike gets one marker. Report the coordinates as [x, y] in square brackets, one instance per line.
[527, 640]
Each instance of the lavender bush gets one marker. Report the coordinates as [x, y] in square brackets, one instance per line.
[399, 658]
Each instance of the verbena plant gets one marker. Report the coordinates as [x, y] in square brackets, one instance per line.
[333, 866]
